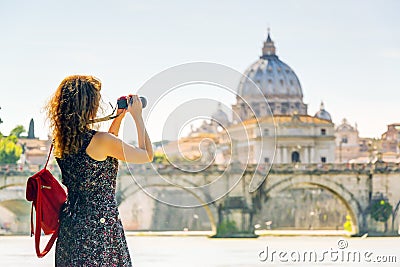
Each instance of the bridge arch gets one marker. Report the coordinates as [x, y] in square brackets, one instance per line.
[347, 198]
[11, 185]
[15, 201]
[396, 218]
[17, 214]
[19, 207]
[201, 201]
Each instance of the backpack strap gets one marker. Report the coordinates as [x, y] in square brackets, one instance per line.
[48, 157]
[32, 228]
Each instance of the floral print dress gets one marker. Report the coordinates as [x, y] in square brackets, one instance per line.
[90, 232]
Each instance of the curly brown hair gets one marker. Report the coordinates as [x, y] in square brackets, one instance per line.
[70, 110]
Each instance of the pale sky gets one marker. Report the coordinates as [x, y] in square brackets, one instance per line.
[346, 53]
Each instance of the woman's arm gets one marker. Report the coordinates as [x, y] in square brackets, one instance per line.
[135, 109]
[115, 125]
[107, 144]
[143, 138]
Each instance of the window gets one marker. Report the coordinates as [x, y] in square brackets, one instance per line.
[323, 131]
[266, 160]
[291, 82]
[323, 159]
[266, 132]
[270, 81]
[281, 82]
[344, 140]
[295, 157]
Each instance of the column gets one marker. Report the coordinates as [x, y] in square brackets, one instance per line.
[312, 155]
[280, 159]
[306, 158]
[285, 158]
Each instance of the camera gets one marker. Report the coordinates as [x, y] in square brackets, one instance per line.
[122, 102]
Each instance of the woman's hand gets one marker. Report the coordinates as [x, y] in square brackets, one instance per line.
[121, 113]
[134, 106]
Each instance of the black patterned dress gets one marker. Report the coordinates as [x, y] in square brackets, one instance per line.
[91, 232]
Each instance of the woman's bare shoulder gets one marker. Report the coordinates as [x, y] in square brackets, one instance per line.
[105, 139]
[100, 135]
[97, 146]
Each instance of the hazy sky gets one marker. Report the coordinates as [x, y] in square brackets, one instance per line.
[346, 53]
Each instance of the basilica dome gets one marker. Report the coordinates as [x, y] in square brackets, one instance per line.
[271, 75]
[278, 83]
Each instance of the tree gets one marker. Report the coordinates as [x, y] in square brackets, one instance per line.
[227, 228]
[18, 130]
[10, 151]
[160, 158]
[381, 210]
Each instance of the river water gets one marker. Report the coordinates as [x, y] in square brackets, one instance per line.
[16, 251]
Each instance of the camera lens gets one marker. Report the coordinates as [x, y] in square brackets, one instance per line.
[144, 101]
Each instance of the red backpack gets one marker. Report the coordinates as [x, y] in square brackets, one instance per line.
[47, 197]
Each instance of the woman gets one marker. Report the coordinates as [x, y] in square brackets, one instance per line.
[91, 232]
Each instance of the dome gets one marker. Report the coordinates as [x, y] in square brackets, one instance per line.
[271, 75]
[323, 114]
[220, 116]
[276, 80]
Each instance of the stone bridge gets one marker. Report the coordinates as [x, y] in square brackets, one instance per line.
[12, 199]
[354, 185]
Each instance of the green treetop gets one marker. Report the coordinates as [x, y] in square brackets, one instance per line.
[10, 151]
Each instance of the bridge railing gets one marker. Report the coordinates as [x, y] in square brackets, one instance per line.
[336, 167]
[380, 167]
[26, 170]
[13, 169]
[275, 168]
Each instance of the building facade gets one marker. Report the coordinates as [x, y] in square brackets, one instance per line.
[391, 139]
[277, 126]
[348, 146]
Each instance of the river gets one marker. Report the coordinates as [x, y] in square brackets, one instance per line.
[177, 251]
